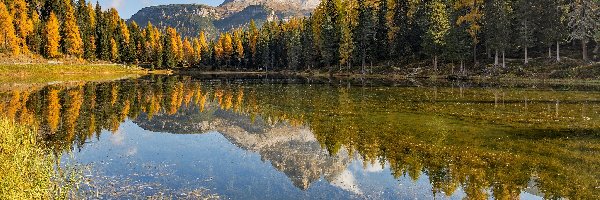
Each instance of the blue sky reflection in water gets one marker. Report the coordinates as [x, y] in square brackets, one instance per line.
[176, 164]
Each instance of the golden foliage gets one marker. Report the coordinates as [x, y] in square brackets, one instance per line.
[23, 23]
[73, 44]
[8, 39]
[52, 36]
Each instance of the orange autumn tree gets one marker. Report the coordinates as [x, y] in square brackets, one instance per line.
[23, 23]
[8, 39]
[73, 45]
[52, 37]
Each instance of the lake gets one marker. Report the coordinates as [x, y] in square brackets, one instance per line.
[269, 137]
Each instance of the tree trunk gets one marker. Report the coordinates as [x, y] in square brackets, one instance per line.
[503, 59]
[557, 51]
[488, 51]
[526, 56]
[462, 67]
[584, 49]
[496, 58]
[435, 63]
[474, 54]
[550, 51]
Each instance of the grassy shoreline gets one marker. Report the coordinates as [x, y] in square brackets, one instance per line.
[29, 170]
[28, 75]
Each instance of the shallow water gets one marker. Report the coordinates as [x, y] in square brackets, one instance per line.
[293, 138]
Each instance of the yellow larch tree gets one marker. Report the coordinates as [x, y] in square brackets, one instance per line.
[73, 45]
[23, 23]
[188, 52]
[239, 46]
[197, 51]
[219, 48]
[52, 36]
[227, 43]
[204, 51]
[7, 32]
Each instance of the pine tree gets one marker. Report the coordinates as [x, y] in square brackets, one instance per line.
[23, 23]
[552, 27]
[330, 33]
[103, 34]
[170, 48]
[52, 37]
[252, 42]
[526, 26]
[87, 24]
[583, 20]
[382, 31]
[7, 32]
[399, 28]
[136, 42]
[72, 43]
[365, 34]
[123, 38]
[309, 47]
[438, 28]
[348, 23]
[497, 29]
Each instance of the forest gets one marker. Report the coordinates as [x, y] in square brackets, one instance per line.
[340, 35]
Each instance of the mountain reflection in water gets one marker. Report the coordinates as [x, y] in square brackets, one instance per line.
[328, 140]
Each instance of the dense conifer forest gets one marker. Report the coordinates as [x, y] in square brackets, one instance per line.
[340, 35]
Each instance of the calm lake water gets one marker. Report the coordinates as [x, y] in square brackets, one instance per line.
[293, 138]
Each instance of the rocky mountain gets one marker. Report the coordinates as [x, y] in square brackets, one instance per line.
[291, 150]
[290, 7]
[190, 19]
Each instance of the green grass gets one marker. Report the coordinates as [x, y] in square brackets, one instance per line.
[27, 171]
[46, 73]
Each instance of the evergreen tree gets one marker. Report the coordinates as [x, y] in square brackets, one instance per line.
[137, 42]
[310, 53]
[330, 34]
[170, 48]
[552, 27]
[72, 43]
[438, 28]
[252, 42]
[348, 23]
[382, 31]
[52, 37]
[583, 20]
[364, 34]
[497, 30]
[526, 26]
[87, 25]
[399, 28]
[103, 34]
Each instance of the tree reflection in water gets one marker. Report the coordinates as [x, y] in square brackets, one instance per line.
[491, 142]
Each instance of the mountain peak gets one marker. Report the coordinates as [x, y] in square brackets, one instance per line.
[277, 5]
